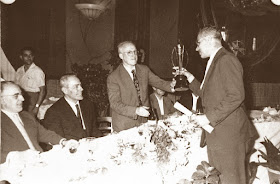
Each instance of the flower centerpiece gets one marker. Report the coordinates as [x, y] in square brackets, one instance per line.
[272, 158]
[205, 174]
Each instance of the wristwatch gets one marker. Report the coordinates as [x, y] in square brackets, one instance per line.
[37, 105]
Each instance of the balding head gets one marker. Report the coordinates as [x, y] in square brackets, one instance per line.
[71, 87]
[11, 97]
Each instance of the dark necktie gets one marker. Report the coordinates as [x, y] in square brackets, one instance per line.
[136, 84]
[79, 116]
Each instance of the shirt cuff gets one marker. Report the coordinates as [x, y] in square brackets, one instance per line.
[190, 78]
[62, 142]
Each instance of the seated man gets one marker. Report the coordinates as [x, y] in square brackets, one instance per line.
[71, 116]
[161, 104]
[19, 129]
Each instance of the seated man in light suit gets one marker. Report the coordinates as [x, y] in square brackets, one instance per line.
[20, 130]
[71, 116]
[161, 104]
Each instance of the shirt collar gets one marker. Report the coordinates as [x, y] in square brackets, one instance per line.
[70, 102]
[214, 53]
[128, 69]
[9, 114]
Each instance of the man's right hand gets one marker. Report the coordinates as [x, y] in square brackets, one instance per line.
[142, 111]
[189, 76]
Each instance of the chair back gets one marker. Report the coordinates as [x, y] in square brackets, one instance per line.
[105, 124]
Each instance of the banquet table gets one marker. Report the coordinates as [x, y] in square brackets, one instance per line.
[162, 152]
[103, 153]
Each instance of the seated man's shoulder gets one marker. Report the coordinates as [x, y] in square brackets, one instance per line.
[27, 116]
[56, 107]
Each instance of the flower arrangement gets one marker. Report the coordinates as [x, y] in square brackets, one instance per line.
[93, 78]
[205, 174]
[272, 157]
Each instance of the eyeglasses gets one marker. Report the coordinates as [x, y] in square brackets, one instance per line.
[16, 96]
[131, 53]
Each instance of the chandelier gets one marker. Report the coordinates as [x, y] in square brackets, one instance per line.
[91, 11]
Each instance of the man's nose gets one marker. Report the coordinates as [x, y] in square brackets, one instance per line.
[20, 97]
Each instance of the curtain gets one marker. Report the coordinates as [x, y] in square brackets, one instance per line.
[132, 23]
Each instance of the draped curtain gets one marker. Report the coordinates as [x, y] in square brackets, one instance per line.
[132, 22]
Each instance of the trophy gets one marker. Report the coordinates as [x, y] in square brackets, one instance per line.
[177, 58]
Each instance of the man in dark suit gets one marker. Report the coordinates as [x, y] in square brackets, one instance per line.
[161, 104]
[72, 116]
[222, 94]
[19, 129]
[128, 89]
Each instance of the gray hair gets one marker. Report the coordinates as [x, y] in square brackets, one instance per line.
[6, 84]
[63, 82]
[212, 32]
[122, 44]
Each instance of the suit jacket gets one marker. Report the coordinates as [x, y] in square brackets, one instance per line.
[61, 118]
[167, 105]
[223, 98]
[123, 95]
[12, 140]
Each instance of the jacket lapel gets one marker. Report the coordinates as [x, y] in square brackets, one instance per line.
[11, 129]
[126, 77]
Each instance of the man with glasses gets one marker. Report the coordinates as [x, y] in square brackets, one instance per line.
[20, 130]
[31, 78]
[128, 89]
[72, 116]
[222, 94]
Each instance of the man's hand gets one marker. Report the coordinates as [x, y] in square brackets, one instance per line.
[70, 145]
[176, 71]
[172, 85]
[186, 73]
[142, 111]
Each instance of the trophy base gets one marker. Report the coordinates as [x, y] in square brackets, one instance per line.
[182, 83]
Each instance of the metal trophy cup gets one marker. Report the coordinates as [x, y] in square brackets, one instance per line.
[177, 59]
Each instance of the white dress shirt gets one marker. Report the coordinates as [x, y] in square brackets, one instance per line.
[129, 70]
[73, 106]
[209, 62]
[160, 104]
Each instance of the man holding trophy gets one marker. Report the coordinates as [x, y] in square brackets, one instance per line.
[222, 94]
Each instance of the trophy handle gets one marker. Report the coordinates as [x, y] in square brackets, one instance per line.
[173, 50]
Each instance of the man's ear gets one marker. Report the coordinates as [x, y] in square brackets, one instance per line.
[64, 90]
[20, 57]
[121, 55]
[154, 88]
[3, 102]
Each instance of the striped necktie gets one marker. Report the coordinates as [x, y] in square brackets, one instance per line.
[136, 84]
